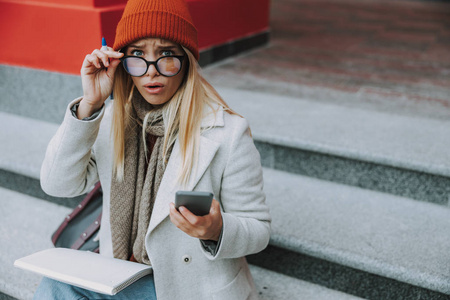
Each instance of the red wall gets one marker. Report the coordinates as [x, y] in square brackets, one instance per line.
[55, 35]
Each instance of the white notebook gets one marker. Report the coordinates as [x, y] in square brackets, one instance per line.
[84, 269]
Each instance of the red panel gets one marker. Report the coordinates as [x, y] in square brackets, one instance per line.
[47, 38]
[108, 23]
[102, 3]
[86, 3]
[56, 35]
[221, 21]
[54, 2]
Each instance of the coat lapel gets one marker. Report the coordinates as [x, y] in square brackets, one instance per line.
[169, 186]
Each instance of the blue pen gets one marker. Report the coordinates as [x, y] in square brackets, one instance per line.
[104, 48]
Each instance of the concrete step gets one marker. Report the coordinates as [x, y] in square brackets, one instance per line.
[398, 154]
[276, 286]
[26, 224]
[24, 143]
[37, 94]
[366, 243]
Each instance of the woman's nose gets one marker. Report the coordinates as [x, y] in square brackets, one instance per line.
[152, 71]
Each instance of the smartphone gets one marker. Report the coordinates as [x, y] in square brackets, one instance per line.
[199, 203]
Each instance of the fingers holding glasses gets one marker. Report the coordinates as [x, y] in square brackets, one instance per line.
[111, 53]
[100, 59]
[97, 75]
[107, 55]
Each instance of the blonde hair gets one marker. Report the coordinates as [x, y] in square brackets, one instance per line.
[180, 114]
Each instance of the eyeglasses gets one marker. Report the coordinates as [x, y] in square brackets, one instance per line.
[167, 66]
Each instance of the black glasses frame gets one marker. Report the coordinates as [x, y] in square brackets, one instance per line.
[155, 63]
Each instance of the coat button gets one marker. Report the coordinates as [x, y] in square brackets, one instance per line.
[186, 259]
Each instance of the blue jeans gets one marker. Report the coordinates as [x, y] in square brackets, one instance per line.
[50, 289]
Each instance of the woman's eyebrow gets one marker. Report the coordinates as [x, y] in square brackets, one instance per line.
[137, 46]
[158, 47]
[167, 47]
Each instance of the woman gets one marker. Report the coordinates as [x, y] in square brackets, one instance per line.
[167, 130]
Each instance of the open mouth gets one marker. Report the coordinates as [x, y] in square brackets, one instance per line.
[154, 87]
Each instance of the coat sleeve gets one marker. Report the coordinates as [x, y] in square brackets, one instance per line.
[246, 218]
[69, 167]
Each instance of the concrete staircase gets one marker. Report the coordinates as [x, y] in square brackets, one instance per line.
[359, 198]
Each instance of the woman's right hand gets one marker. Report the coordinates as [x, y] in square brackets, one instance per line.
[97, 76]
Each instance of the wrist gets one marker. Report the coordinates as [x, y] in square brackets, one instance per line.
[216, 236]
[90, 104]
[87, 109]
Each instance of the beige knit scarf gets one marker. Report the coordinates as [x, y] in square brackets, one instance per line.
[132, 199]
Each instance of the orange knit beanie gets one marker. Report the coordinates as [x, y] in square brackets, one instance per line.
[167, 19]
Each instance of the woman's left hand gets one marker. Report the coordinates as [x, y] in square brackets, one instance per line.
[206, 227]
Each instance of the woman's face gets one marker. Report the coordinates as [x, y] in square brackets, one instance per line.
[155, 88]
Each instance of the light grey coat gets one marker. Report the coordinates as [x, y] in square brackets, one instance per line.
[80, 154]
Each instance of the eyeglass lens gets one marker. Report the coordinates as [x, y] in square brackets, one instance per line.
[166, 66]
